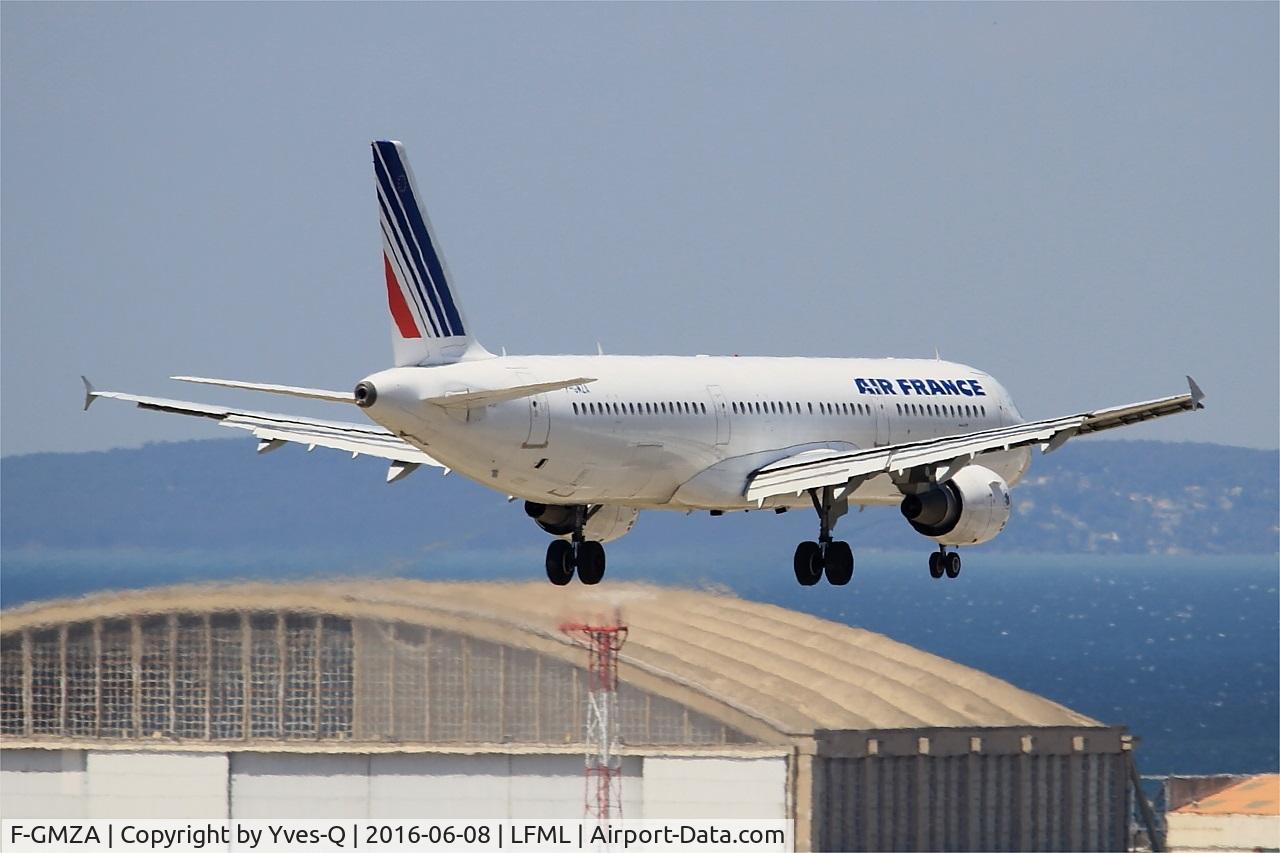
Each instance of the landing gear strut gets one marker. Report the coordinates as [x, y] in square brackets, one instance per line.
[564, 557]
[941, 562]
[826, 556]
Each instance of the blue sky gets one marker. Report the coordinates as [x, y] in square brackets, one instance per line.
[1079, 198]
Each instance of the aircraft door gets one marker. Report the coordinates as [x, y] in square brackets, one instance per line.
[539, 415]
[539, 422]
[721, 409]
[882, 423]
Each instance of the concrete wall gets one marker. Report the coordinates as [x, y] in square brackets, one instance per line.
[196, 785]
[76, 784]
[416, 785]
[157, 784]
[1222, 832]
[715, 788]
[43, 783]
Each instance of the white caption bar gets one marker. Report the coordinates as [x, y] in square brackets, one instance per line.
[38, 835]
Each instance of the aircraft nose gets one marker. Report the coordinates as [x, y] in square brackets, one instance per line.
[366, 394]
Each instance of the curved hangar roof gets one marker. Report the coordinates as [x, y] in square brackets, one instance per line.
[764, 669]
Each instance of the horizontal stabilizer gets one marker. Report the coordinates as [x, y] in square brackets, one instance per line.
[275, 430]
[476, 399]
[286, 390]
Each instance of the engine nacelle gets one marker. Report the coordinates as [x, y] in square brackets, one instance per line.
[553, 518]
[969, 509]
[604, 523]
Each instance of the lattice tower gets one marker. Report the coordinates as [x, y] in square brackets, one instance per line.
[602, 799]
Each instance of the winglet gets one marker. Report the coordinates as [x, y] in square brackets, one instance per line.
[90, 393]
[1197, 396]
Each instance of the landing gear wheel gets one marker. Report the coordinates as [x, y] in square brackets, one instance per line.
[559, 562]
[936, 567]
[808, 563]
[838, 563]
[590, 562]
[826, 556]
[953, 565]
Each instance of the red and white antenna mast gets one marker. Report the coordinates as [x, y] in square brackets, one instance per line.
[603, 797]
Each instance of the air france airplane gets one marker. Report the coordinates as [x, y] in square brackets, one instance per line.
[589, 441]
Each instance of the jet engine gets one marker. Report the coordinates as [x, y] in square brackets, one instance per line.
[604, 522]
[969, 509]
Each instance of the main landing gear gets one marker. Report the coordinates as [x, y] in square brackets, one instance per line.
[564, 557]
[941, 562]
[826, 556]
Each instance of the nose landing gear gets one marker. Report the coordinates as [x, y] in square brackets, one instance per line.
[826, 556]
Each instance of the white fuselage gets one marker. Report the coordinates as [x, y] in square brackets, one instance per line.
[668, 432]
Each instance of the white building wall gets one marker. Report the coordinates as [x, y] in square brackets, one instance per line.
[287, 785]
[478, 786]
[1190, 831]
[177, 785]
[415, 785]
[464, 786]
[196, 785]
[555, 787]
[551, 786]
[715, 788]
[42, 783]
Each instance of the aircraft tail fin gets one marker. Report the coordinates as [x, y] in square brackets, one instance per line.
[428, 326]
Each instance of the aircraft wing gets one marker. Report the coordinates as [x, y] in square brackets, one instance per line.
[946, 455]
[274, 430]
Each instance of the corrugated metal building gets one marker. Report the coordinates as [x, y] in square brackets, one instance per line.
[402, 698]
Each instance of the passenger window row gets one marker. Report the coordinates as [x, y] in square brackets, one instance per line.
[772, 407]
[661, 408]
[932, 410]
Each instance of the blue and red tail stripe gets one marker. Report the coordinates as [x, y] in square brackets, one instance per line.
[412, 272]
[409, 237]
[400, 312]
[417, 220]
[395, 253]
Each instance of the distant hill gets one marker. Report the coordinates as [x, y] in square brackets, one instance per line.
[1106, 497]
